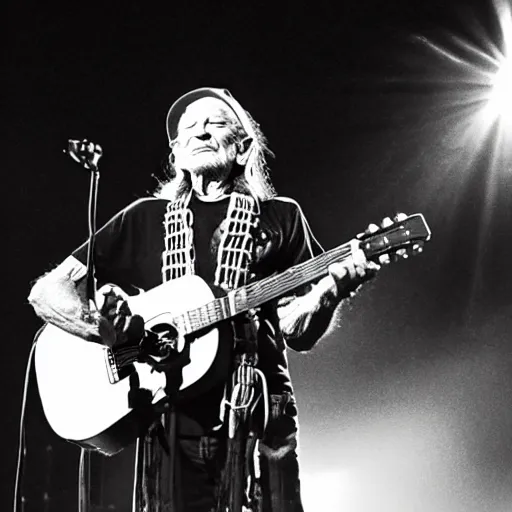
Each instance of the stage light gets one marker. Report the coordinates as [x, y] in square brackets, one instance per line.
[472, 111]
[499, 106]
[502, 86]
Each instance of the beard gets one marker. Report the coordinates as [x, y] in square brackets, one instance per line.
[211, 167]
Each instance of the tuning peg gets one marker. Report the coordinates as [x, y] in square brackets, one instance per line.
[386, 222]
[402, 253]
[384, 259]
[372, 228]
[399, 217]
[417, 247]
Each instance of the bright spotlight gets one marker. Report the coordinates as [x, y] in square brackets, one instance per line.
[499, 107]
[471, 115]
[500, 101]
[484, 69]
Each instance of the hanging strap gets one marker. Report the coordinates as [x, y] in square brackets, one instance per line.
[248, 390]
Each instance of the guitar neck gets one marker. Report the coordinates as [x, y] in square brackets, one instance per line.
[399, 238]
[275, 286]
[257, 293]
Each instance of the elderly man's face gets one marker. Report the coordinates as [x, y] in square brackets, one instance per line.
[205, 140]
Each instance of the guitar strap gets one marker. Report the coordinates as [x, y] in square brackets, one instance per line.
[235, 248]
[235, 251]
[178, 257]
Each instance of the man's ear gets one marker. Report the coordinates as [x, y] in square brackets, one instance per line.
[243, 150]
[171, 152]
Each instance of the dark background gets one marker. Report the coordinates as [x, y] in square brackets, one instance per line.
[406, 405]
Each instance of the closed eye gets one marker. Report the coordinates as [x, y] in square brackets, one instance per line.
[188, 126]
[218, 122]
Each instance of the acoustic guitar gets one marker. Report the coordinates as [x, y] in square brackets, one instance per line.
[85, 386]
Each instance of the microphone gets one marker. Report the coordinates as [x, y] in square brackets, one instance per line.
[85, 153]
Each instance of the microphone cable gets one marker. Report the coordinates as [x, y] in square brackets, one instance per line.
[22, 448]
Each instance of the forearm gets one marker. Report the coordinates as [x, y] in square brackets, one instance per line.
[61, 301]
[306, 319]
[314, 314]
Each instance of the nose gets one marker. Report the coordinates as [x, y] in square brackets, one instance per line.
[204, 136]
[200, 132]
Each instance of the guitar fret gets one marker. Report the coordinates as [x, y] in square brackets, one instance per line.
[198, 318]
[211, 312]
[274, 286]
[224, 307]
[240, 300]
[193, 319]
[187, 322]
[220, 310]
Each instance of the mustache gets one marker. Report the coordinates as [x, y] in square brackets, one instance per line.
[203, 145]
[201, 148]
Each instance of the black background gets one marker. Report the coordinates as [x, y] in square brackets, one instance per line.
[406, 404]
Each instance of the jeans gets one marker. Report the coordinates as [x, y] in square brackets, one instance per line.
[200, 460]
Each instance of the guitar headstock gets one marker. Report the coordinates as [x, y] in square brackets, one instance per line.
[400, 237]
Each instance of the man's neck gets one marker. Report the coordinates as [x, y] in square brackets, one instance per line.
[209, 189]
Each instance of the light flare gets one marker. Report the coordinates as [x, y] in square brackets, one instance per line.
[499, 99]
[472, 122]
[500, 102]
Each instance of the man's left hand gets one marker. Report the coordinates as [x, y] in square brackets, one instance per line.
[350, 274]
[345, 277]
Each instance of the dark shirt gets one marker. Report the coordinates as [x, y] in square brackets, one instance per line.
[128, 253]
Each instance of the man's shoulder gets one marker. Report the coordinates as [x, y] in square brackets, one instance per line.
[138, 210]
[281, 205]
[281, 200]
[144, 204]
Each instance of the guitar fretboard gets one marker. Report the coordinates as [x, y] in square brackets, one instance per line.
[253, 295]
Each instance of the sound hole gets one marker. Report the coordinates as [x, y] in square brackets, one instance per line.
[165, 339]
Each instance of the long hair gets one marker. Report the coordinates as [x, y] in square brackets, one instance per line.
[252, 178]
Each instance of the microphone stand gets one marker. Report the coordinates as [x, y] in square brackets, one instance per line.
[93, 198]
[88, 155]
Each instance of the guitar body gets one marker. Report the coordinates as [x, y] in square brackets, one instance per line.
[79, 400]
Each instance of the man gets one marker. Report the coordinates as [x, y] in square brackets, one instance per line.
[216, 216]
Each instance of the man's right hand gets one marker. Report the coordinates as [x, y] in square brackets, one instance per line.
[117, 324]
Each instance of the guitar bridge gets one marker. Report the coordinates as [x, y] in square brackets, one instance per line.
[112, 368]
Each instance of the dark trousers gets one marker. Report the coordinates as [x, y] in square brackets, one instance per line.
[199, 463]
